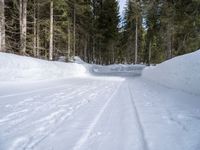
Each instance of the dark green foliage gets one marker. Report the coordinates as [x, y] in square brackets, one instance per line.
[107, 26]
[169, 28]
[165, 29]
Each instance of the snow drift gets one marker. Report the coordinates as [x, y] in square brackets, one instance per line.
[181, 72]
[18, 68]
[118, 70]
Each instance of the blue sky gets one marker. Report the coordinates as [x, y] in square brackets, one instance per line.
[121, 5]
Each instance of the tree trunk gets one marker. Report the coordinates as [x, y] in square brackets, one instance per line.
[85, 50]
[136, 41]
[149, 57]
[38, 30]
[69, 42]
[169, 43]
[34, 31]
[2, 27]
[51, 32]
[20, 20]
[23, 26]
[74, 42]
[113, 54]
[93, 50]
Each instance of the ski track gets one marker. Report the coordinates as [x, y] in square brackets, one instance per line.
[29, 119]
[31, 92]
[19, 114]
[138, 122]
[61, 104]
[85, 137]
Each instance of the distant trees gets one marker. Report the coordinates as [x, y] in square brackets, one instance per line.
[133, 29]
[107, 25]
[151, 31]
[164, 29]
[49, 29]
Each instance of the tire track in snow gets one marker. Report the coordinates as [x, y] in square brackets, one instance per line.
[33, 142]
[140, 126]
[16, 119]
[46, 126]
[32, 91]
[20, 113]
[50, 123]
[91, 127]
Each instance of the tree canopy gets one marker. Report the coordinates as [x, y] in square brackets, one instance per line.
[151, 31]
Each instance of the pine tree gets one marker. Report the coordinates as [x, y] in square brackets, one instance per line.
[152, 31]
[133, 29]
[108, 22]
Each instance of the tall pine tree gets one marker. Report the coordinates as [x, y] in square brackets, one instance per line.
[108, 23]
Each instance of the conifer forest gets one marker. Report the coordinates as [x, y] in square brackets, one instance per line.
[99, 74]
[149, 32]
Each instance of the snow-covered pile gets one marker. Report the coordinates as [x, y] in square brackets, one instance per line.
[119, 69]
[17, 68]
[78, 60]
[182, 73]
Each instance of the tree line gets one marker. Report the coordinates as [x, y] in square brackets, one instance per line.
[151, 31]
[158, 30]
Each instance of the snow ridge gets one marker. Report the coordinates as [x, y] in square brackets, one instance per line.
[20, 68]
[181, 72]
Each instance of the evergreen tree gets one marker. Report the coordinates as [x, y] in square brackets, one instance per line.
[151, 32]
[133, 31]
[108, 22]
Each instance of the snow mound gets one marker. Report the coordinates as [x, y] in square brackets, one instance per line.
[181, 72]
[78, 60]
[20, 68]
[119, 70]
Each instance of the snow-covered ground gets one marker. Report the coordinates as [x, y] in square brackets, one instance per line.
[78, 110]
[182, 72]
[19, 68]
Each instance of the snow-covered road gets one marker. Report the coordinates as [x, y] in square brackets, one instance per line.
[97, 113]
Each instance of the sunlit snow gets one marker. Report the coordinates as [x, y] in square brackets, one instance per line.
[76, 106]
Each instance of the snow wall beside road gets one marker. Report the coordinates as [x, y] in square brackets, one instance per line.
[20, 68]
[182, 72]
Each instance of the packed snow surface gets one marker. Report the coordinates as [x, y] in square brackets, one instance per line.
[92, 112]
[182, 72]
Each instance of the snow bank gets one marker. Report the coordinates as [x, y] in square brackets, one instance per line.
[18, 68]
[119, 70]
[181, 72]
